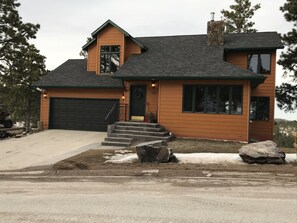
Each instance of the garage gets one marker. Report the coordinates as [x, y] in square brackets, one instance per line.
[80, 114]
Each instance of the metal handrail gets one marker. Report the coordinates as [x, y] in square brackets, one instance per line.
[111, 111]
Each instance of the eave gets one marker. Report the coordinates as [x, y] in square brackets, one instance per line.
[109, 22]
[253, 49]
[94, 87]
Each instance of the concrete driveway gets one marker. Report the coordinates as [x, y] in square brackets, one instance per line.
[46, 148]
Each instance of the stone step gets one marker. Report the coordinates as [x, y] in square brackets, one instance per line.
[108, 143]
[118, 139]
[140, 128]
[165, 133]
[143, 137]
[139, 124]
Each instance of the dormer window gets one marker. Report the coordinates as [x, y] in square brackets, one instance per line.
[259, 63]
[109, 59]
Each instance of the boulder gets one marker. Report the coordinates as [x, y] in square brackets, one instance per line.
[154, 152]
[265, 152]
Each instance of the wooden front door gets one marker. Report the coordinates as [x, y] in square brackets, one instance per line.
[137, 102]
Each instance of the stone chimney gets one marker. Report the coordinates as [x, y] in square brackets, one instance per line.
[215, 32]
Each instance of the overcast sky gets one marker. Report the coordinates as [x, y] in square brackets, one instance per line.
[66, 24]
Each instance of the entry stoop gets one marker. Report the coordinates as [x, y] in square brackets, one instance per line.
[124, 133]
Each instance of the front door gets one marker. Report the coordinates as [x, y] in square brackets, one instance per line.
[137, 102]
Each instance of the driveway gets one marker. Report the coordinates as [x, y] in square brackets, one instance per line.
[46, 148]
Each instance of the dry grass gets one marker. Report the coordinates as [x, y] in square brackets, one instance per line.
[94, 159]
[182, 145]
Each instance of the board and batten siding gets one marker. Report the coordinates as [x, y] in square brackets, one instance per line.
[260, 130]
[201, 125]
[74, 93]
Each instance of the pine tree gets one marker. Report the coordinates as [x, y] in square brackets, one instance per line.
[13, 32]
[237, 20]
[83, 53]
[20, 64]
[286, 93]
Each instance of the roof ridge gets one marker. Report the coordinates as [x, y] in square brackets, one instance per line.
[251, 33]
[170, 36]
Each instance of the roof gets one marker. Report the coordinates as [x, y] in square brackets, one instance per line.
[253, 41]
[167, 57]
[107, 23]
[189, 57]
[73, 73]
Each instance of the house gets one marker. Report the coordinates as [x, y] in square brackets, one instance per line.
[212, 86]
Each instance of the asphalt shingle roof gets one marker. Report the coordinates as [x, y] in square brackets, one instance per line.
[73, 73]
[168, 57]
[253, 41]
[189, 57]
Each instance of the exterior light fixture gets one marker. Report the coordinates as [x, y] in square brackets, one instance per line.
[123, 97]
[44, 94]
[153, 84]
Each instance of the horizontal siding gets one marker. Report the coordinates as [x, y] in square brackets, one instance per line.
[151, 96]
[260, 130]
[199, 125]
[131, 48]
[92, 57]
[111, 36]
[75, 93]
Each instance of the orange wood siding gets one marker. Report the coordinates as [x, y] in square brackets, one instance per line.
[199, 125]
[151, 96]
[92, 57]
[260, 130]
[75, 93]
[131, 48]
[110, 36]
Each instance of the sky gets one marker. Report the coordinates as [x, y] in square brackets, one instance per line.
[66, 24]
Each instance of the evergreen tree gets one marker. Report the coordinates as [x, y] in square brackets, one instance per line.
[237, 20]
[83, 53]
[20, 64]
[17, 89]
[13, 32]
[286, 93]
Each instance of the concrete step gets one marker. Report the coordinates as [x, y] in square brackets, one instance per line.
[140, 136]
[108, 143]
[141, 132]
[118, 139]
[138, 124]
[140, 128]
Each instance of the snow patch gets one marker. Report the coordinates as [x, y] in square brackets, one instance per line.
[193, 158]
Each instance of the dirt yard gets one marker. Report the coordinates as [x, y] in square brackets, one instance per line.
[92, 162]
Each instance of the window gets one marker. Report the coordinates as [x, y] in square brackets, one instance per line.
[222, 99]
[236, 106]
[259, 108]
[259, 63]
[211, 99]
[109, 59]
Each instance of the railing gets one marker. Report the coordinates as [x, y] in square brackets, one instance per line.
[116, 113]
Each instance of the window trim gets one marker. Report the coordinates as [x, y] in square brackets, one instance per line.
[259, 53]
[217, 98]
[109, 53]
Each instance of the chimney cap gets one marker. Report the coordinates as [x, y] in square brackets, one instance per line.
[212, 15]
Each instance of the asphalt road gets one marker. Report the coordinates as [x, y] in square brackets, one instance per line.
[146, 199]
